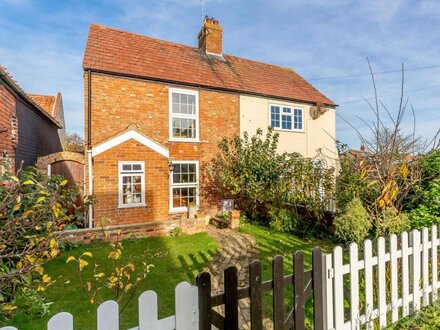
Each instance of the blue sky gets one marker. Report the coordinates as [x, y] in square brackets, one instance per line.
[42, 44]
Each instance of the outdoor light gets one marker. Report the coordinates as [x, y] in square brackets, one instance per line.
[171, 166]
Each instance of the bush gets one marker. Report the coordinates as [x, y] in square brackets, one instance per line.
[259, 179]
[283, 220]
[423, 205]
[32, 209]
[391, 222]
[354, 224]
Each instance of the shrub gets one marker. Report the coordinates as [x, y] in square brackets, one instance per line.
[354, 223]
[423, 205]
[258, 178]
[32, 208]
[283, 220]
[391, 222]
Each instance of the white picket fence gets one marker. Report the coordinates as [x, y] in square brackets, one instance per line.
[399, 279]
[186, 313]
[391, 281]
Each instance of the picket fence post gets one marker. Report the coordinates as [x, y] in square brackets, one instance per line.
[354, 287]
[394, 279]
[434, 241]
[60, 321]
[108, 315]
[148, 312]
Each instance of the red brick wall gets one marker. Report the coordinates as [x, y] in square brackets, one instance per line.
[118, 102]
[7, 111]
[105, 173]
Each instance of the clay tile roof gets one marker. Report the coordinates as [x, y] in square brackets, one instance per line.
[47, 102]
[4, 74]
[115, 51]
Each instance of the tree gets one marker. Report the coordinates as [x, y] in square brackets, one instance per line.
[391, 165]
[74, 143]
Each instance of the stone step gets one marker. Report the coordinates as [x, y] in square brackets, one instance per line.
[219, 223]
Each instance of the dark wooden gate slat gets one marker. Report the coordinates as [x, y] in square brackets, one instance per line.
[278, 292]
[231, 298]
[256, 295]
[318, 289]
[298, 276]
[217, 320]
[203, 282]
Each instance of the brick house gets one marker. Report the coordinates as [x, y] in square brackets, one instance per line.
[155, 112]
[27, 129]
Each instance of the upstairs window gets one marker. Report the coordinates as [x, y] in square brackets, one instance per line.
[131, 184]
[286, 118]
[184, 115]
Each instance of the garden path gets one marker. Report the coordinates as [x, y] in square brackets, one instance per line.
[236, 249]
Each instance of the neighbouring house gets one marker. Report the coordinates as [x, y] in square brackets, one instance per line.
[53, 105]
[155, 112]
[27, 129]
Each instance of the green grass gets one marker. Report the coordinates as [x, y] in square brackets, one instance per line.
[426, 319]
[175, 259]
[271, 243]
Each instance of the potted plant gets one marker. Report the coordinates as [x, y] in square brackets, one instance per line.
[192, 210]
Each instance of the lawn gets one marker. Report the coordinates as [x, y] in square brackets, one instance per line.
[426, 319]
[271, 243]
[175, 259]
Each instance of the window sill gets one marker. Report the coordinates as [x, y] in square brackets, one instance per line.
[178, 210]
[128, 206]
[289, 130]
[183, 140]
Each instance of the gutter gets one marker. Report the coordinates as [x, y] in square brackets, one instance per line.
[224, 89]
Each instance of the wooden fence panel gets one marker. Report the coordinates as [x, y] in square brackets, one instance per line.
[318, 289]
[203, 282]
[416, 259]
[231, 298]
[278, 292]
[256, 295]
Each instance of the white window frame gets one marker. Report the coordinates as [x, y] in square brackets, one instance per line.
[292, 116]
[185, 116]
[120, 184]
[172, 185]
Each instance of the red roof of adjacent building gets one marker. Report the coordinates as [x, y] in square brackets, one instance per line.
[115, 51]
[27, 97]
[47, 102]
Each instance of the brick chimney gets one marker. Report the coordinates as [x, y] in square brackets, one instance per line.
[210, 36]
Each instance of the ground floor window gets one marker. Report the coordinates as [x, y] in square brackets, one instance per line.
[131, 184]
[184, 185]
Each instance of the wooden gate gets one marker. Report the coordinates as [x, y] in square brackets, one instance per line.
[68, 164]
[306, 283]
[70, 170]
